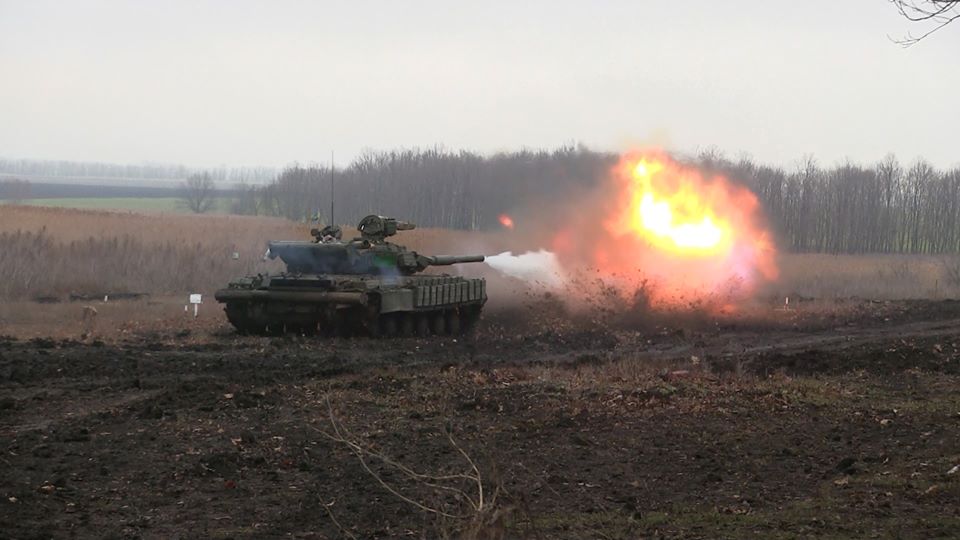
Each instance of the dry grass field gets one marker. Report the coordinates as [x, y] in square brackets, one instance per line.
[53, 253]
[50, 251]
[876, 277]
[57, 251]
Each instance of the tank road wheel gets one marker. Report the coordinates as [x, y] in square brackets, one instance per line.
[244, 328]
[407, 324]
[423, 324]
[438, 323]
[453, 322]
[331, 329]
[273, 330]
[468, 319]
[372, 320]
[237, 316]
[373, 328]
[390, 326]
[330, 323]
[307, 329]
[299, 330]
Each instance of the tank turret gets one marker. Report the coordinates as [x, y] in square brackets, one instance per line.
[370, 253]
[366, 285]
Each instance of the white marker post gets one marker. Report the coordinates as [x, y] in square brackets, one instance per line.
[196, 300]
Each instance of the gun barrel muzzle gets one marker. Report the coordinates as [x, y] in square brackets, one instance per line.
[446, 260]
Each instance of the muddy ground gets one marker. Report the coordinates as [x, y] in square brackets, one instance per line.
[814, 422]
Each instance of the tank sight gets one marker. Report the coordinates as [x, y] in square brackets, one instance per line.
[375, 229]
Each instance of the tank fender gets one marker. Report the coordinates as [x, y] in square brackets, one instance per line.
[396, 300]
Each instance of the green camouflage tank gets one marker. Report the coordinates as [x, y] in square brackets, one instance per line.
[366, 286]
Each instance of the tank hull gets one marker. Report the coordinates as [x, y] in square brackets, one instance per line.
[346, 305]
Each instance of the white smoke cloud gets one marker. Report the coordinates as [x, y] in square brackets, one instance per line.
[535, 267]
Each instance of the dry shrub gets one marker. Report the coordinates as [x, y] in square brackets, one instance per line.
[878, 277]
[56, 251]
[462, 500]
[53, 251]
[951, 271]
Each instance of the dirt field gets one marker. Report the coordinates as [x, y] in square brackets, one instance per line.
[831, 420]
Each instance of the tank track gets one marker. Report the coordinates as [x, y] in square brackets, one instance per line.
[257, 318]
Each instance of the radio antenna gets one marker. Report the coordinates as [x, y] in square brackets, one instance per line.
[332, 168]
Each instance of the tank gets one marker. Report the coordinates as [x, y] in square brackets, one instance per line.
[365, 286]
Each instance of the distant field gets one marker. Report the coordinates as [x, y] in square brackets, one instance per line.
[149, 204]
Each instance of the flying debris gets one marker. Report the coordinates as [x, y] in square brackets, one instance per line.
[655, 224]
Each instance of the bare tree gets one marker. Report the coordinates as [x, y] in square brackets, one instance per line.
[938, 13]
[245, 201]
[199, 193]
[848, 208]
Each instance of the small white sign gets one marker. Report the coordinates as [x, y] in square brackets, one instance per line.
[195, 299]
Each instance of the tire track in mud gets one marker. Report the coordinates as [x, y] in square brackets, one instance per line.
[754, 347]
[75, 410]
[77, 365]
[149, 373]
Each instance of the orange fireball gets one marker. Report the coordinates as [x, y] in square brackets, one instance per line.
[672, 208]
[506, 221]
[692, 235]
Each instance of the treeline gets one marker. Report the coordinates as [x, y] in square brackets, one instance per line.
[885, 207]
[434, 187]
[27, 168]
[849, 208]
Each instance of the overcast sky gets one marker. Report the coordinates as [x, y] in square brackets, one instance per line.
[269, 83]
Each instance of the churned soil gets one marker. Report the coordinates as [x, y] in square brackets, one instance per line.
[838, 421]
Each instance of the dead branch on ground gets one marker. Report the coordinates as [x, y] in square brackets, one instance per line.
[474, 506]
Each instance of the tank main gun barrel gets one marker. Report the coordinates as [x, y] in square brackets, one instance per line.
[447, 260]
